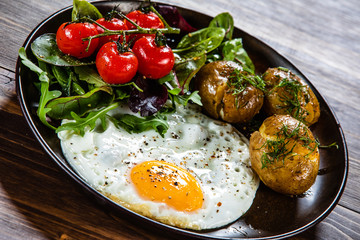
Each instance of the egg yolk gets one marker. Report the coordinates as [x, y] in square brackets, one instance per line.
[165, 182]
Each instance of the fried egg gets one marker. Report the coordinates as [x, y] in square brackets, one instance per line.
[198, 176]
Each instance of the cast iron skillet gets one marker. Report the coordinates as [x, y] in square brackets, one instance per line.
[271, 216]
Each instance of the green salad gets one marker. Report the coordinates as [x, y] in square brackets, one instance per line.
[102, 65]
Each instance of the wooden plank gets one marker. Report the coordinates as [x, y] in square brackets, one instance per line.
[319, 37]
[20, 19]
[8, 98]
[340, 224]
[34, 190]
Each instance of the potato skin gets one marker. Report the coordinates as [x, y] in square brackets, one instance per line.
[217, 96]
[275, 99]
[290, 174]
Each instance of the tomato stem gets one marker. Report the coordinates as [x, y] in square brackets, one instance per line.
[161, 17]
[122, 47]
[141, 30]
[110, 15]
[160, 39]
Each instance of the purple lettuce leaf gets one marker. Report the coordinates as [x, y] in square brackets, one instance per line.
[173, 17]
[150, 100]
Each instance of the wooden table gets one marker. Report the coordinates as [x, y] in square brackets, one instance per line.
[39, 201]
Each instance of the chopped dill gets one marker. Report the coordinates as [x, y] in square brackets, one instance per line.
[279, 149]
[239, 80]
[334, 144]
[292, 98]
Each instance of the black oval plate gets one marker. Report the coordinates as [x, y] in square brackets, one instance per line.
[272, 215]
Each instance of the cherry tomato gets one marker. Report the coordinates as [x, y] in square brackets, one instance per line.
[112, 24]
[145, 20]
[69, 39]
[115, 66]
[154, 61]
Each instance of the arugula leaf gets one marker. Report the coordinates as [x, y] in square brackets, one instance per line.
[176, 94]
[134, 124]
[82, 8]
[46, 94]
[177, 82]
[27, 62]
[171, 82]
[45, 49]
[46, 68]
[170, 77]
[68, 78]
[174, 91]
[63, 77]
[185, 98]
[63, 107]
[225, 21]
[89, 121]
[121, 94]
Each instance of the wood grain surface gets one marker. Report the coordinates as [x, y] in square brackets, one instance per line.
[39, 201]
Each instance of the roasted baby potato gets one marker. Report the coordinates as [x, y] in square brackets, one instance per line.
[226, 92]
[285, 155]
[288, 94]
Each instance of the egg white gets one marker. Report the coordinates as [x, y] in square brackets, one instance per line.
[212, 151]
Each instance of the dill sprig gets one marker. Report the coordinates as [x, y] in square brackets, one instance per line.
[280, 148]
[292, 97]
[239, 80]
